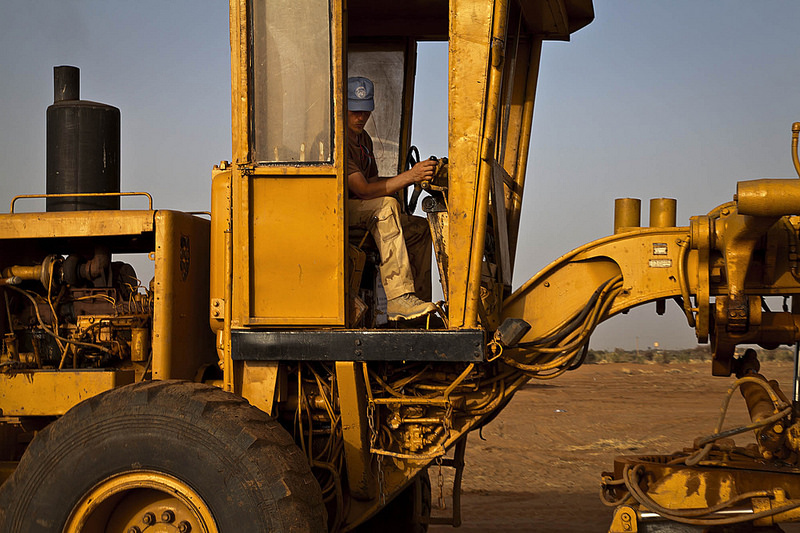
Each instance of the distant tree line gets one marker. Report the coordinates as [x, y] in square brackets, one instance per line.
[689, 355]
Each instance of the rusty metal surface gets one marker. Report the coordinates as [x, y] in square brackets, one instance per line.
[359, 345]
[75, 224]
[182, 341]
[53, 392]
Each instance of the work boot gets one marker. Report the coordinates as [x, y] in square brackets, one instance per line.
[408, 307]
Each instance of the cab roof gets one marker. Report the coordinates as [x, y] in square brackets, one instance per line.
[429, 19]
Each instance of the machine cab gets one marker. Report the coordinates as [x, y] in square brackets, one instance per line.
[280, 233]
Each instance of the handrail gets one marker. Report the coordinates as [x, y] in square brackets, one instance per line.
[83, 195]
[795, 158]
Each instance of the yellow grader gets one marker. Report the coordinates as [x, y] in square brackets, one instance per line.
[252, 385]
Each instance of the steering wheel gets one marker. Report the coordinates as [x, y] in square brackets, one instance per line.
[411, 160]
[410, 203]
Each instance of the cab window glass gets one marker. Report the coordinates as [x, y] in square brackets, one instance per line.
[291, 81]
[386, 68]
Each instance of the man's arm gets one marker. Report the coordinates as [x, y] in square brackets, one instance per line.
[367, 190]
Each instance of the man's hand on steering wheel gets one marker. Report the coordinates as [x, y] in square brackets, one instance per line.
[423, 171]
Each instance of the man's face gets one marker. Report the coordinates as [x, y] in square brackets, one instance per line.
[356, 120]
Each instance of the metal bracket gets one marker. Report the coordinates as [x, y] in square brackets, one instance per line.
[457, 462]
[217, 308]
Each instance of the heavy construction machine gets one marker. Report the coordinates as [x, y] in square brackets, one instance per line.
[253, 384]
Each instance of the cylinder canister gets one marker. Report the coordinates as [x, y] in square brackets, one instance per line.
[663, 212]
[83, 147]
[140, 344]
[768, 197]
[627, 213]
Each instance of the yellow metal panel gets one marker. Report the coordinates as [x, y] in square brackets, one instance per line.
[182, 339]
[625, 520]
[647, 259]
[470, 29]
[557, 295]
[239, 269]
[301, 171]
[54, 392]
[75, 224]
[296, 250]
[473, 295]
[353, 405]
[259, 382]
[220, 226]
[686, 488]
[266, 244]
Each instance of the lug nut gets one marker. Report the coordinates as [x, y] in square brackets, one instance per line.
[134, 529]
[184, 527]
[168, 516]
[149, 519]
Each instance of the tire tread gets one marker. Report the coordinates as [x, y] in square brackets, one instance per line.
[255, 441]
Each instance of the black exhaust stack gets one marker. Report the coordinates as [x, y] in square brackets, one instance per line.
[82, 147]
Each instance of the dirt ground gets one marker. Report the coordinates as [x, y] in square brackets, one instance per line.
[539, 467]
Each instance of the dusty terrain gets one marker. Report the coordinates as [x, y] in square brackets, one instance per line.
[539, 467]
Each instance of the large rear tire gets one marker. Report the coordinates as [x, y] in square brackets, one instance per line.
[184, 455]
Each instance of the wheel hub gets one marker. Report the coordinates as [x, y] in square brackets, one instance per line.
[141, 502]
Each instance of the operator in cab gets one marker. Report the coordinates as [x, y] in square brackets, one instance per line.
[404, 241]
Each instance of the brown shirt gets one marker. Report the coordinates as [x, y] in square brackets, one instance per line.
[360, 157]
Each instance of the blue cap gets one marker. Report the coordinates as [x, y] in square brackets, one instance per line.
[360, 94]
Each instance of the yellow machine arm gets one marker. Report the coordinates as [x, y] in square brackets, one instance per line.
[728, 261]
[719, 269]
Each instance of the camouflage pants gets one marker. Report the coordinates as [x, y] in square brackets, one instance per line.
[403, 241]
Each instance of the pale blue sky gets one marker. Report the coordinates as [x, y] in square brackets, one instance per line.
[678, 99]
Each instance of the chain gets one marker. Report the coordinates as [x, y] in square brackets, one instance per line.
[447, 421]
[495, 349]
[440, 482]
[373, 436]
[381, 484]
[446, 424]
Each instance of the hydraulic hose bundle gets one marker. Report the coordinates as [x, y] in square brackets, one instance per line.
[566, 346]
